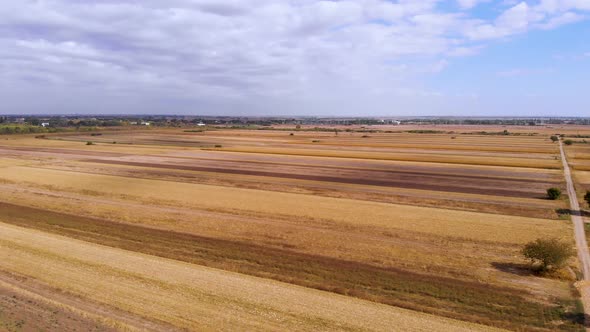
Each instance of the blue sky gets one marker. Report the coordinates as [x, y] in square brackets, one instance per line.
[296, 57]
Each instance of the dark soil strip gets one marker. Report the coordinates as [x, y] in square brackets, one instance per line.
[362, 181]
[394, 170]
[469, 301]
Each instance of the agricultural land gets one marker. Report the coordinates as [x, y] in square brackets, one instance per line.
[378, 228]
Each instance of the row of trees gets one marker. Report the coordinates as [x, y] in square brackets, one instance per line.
[555, 193]
[24, 129]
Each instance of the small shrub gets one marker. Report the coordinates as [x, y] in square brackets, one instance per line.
[315, 141]
[218, 145]
[587, 197]
[290, 134]
[365, 136]
[568, 142]
[553, 193]
[89, 143]
[554, 138]
[547, 254]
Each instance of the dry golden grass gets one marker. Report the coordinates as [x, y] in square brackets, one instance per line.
[454, 263]
[195, 297]
[298, 185]
[578, 165]
[582, 176]
[31, 142]
[7, 162]
[462, 224]
[449, 159]
[449, 256]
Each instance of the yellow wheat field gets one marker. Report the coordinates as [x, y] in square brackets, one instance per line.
[195, 297]
[450, 159]
[470, 225]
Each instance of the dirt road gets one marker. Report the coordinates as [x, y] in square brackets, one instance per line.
[579, 233]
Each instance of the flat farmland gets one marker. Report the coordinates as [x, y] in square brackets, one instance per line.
[197, 297]
[579, 155]
[398, 229]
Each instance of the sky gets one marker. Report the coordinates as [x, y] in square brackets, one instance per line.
[296, 57]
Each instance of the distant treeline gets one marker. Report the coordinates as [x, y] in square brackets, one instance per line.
[260, 123]
[9, 129]
[505, 122]
[24, 129]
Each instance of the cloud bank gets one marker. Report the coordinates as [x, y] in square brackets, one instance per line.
[248, 56]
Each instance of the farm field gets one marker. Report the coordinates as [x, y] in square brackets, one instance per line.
[270, 230]
[579, 156]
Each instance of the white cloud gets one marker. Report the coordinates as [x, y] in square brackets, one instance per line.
[522, 17]
[468, 4]
[561, 19]
[257, 52]
[524, 72]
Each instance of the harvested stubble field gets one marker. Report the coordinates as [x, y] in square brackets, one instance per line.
[579, 156]
[388, 222]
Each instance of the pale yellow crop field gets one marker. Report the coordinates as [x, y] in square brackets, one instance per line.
[31, 142]
[195, 297]
[339, 187]
[469, 225]
[493, 161]
[7, 162]
[582, 176]
[263, 230]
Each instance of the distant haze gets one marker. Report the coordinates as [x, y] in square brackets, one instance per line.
[324, 58]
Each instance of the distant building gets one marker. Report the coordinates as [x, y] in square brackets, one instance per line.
[45, 124]
[200, 124]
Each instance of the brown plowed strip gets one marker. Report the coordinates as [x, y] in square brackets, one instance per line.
[396, 171]
[361, 181]
[470, 301]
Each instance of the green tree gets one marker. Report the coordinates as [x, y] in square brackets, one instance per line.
[547, 254]
[554, 138]
[33, 121]
[553, 193]
[568, 142]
